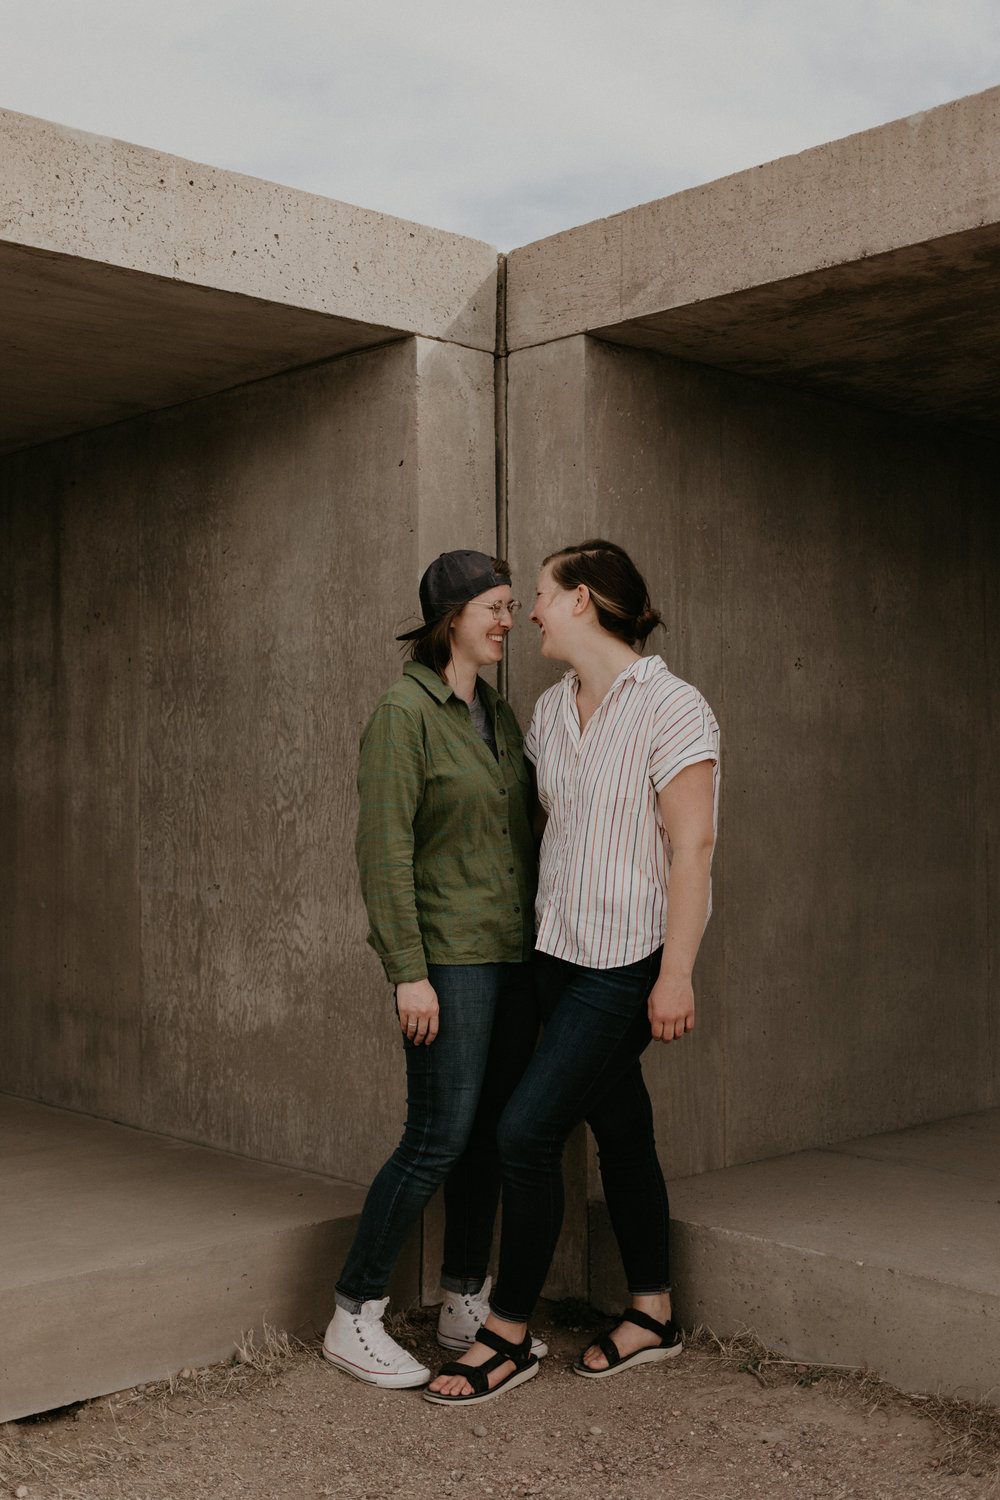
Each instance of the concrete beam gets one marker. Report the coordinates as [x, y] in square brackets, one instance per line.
[932, 174]
[131, 280]
[867, 268]
[104, 200]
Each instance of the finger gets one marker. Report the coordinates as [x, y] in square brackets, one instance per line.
[432, 1028]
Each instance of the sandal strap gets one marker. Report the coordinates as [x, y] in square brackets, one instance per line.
[518, 1353]
[478, 1376]
[610, 1350]
[643, 1320]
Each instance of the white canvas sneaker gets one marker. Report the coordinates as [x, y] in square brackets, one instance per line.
[463, 1314]
[358, 1344]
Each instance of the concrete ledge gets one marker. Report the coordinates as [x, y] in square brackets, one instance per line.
[105, 200]
[878, 1252]
[929, 175]
[126, 1255]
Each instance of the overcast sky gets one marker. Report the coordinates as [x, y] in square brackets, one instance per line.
[506, 120]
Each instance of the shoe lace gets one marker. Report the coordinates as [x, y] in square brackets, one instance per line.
[377, 1341]
[478, 1304]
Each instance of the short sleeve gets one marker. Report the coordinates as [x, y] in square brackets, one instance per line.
[684, 733]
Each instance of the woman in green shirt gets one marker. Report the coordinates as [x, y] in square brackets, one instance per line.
[447, 865]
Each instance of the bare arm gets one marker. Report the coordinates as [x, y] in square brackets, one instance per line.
[687, 806]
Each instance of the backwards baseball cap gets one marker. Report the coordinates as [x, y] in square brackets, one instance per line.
[453, 578]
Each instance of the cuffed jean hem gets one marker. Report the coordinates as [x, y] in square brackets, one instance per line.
[353, 1305]
[464, 1286]
[508, 1317]
[662, 1290]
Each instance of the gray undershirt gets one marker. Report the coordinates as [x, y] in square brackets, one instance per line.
[482, 725]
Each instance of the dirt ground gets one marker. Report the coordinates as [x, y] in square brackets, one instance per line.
[718, 1423]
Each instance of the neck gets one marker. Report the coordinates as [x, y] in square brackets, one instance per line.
[599, 661]
[461, 675]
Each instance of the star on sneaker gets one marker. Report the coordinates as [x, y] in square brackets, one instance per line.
[463, 1314]
[358, 1344]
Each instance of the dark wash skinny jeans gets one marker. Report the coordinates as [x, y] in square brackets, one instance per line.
[586, 1068]
[456, 1090]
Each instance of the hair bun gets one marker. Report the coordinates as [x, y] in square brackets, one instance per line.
[646, 622]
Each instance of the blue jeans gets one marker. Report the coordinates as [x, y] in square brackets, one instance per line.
[456, 1090]
[586, 1068]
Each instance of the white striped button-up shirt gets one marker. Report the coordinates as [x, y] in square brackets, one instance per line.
[605, 859]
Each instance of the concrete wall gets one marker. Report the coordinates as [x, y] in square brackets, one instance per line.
[201, 607]
[824, 573]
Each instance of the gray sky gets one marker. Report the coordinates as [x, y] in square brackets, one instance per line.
[506, 120]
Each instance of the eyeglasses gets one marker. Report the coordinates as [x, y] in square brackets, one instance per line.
[498, 609]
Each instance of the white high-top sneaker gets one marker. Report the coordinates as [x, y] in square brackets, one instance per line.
[463, 1314]
[358, 1343]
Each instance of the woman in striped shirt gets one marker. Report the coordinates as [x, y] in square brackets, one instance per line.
[626, 758]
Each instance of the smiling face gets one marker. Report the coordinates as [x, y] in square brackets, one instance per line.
[555, 613]
[476, 637]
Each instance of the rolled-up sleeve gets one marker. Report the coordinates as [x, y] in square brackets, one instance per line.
[391, 777]
[684, 733]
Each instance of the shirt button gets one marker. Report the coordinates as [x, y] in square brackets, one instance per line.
[510, 870]
[503, 830]
[503, 791]
[517, 908]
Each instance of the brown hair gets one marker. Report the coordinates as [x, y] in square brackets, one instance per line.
[432, 648]
[616, 586]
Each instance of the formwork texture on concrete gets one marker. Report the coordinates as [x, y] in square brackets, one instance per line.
[879, 1252]
[125, 1256]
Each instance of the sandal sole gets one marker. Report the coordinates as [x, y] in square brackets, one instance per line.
[640, 1357]
[517, 1377]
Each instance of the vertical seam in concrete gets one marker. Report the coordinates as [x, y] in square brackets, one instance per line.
[721, 624]
[140, 647]
[500, 430]
[993, 1083]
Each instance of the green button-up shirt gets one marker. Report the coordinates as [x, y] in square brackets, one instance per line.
[444, 847]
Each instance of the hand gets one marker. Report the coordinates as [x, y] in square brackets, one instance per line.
[671, 1007]
[417, 1008]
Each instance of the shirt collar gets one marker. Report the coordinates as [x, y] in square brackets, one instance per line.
[429, 680]
[440, 690]
[640, 669]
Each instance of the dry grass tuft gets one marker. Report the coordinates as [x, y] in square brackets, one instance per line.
[271, 1353]
[971, 1432]
[970, 1429]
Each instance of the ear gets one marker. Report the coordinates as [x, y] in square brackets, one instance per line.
[582, 599]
